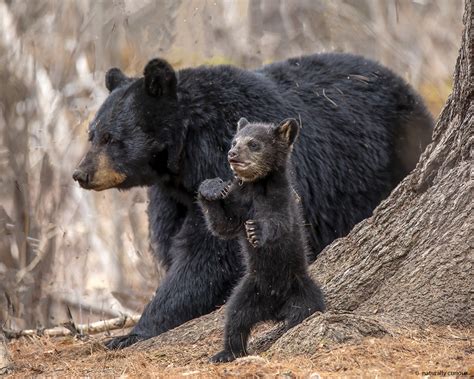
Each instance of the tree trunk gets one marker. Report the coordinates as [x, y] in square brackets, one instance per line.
[410, 264]
[5, 361]
[411, 261]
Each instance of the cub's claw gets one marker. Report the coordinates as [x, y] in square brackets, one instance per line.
[225, 191]
[253, 233]
[214, 189]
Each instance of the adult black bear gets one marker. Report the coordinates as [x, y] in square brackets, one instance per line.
[363, 129]
[260, 208]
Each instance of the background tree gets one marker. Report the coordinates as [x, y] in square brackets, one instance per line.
[5, 361]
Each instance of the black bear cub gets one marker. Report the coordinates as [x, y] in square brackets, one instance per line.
[260, 208]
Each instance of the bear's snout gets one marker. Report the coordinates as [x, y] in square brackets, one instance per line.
[96, 172]
[81, 177]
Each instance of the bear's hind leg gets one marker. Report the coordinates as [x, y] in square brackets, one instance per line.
[302, 304]
[243, 312]
[201, 276]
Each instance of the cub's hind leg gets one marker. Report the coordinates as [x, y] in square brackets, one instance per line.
[306, 299]
[244, 310]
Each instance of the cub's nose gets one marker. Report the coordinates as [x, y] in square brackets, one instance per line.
[231, 154]
[80, 176]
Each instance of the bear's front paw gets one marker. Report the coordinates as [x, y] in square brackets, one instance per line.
[122, 342]
[214, 189]
[253, 232]
[222, 357]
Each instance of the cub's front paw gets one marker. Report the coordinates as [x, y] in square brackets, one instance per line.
[222, 357]
[253, 232]
[214, 189]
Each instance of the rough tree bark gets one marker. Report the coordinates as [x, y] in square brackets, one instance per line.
[410, 264]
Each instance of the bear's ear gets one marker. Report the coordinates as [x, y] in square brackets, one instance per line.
[160, 78]
[243, 122]
[288, 130]
[114, 78]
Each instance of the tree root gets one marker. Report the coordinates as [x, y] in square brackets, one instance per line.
[327, 330]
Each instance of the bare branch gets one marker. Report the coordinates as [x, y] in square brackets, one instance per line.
[70, 328]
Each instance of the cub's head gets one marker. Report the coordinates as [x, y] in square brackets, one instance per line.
[136, 136]
[258, 149]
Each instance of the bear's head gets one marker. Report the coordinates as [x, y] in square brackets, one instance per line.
[258, 149]
[135, 137]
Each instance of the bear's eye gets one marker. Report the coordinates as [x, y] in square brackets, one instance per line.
[106, 138]
[253, 145]
[233, 144]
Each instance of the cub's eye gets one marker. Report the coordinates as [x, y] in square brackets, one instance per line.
[233, 143]
[254, 146]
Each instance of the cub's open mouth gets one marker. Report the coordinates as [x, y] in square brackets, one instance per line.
[236, 163]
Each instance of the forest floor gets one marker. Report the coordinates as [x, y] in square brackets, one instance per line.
[439, 350]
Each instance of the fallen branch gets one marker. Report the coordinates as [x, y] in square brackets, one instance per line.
[90, 307]
[70, 328]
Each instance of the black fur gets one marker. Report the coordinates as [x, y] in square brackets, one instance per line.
[265, 217]
[355, 117]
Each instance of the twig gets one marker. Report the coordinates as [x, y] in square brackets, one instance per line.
[70, 328]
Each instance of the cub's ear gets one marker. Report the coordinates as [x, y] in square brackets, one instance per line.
[114, 78]
[288, 130]
[160, 78]
[243, 122]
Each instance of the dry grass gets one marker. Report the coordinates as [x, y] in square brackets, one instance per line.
[407, 354]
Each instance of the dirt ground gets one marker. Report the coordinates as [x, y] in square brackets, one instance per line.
[442, 351]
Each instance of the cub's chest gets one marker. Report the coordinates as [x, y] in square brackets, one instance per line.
[252, 200]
